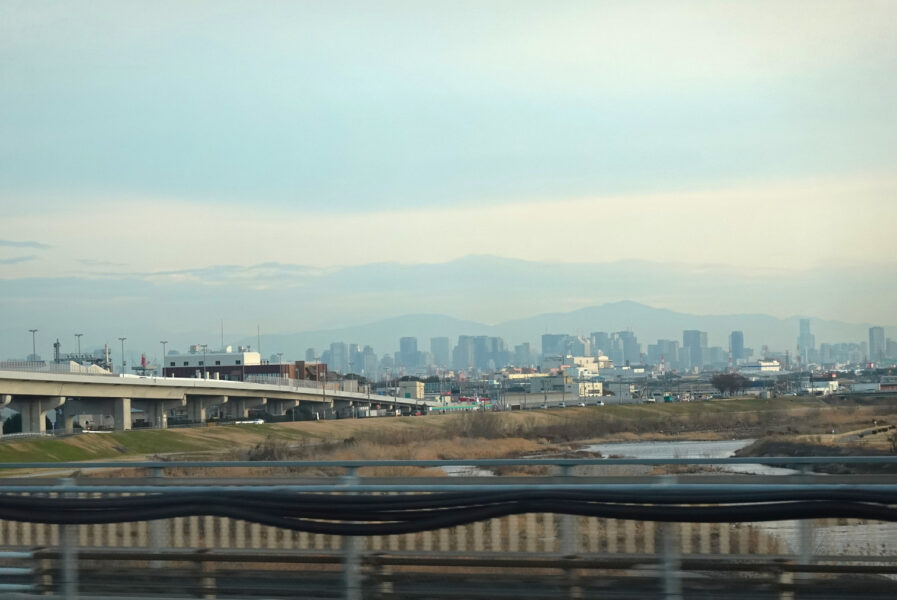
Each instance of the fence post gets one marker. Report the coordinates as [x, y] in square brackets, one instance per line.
[805, 528]
[567, 524]
[158, 533]
[351, 553]
[672, 586]
[68, 538]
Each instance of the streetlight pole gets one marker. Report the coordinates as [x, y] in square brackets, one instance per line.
[164, 343]
[33, 344]
[122, 340]
[78, 337]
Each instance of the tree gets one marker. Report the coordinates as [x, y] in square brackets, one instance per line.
[13, 424]
[729, 383]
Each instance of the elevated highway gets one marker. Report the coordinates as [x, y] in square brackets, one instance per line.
[35, 394]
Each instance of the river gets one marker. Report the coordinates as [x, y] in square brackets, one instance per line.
[687, 449]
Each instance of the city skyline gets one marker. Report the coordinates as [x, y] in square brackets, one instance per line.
[633, 344]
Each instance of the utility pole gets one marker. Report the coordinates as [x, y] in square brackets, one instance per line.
[122, 340]
[78, 337]
[33, 344]
[164, 343]
[204, 346]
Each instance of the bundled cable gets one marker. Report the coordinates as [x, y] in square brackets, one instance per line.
[366, 514]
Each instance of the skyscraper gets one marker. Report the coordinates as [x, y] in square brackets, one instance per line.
[408, 352]
[736, 345]
[693, 345]
[440, 348]
[876, 344]
[554, 343]
[339, 357]
[806, 341]
[462, 356]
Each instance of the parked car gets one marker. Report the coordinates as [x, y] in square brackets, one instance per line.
[562, 405]
[581, 404]
[599, 402]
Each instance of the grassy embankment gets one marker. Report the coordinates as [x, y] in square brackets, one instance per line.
[473, 435]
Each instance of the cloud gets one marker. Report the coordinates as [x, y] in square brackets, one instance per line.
[744, 225]
[90, 262]
[25, 244]
[16, 260]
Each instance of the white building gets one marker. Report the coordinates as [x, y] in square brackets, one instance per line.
[221, 358]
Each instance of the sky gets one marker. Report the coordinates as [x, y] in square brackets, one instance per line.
[163, 141]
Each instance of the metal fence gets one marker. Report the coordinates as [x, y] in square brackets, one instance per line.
[204, 554]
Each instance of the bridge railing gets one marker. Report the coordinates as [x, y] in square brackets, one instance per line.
[579, 518]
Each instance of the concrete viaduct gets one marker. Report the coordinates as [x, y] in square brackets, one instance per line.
[34, 394]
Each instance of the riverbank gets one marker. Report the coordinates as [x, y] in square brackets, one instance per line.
[474, 435]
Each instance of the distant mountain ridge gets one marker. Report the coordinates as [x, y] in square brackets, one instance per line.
[648, 323]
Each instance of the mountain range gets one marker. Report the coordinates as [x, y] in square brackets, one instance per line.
[649, 324]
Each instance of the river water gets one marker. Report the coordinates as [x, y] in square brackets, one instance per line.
[830, 537]
[686, 449]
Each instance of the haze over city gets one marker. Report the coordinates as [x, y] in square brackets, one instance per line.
[306, 167]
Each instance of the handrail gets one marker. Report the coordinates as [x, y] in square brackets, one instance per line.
[488, 462]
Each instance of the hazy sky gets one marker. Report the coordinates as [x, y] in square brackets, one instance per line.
[147, 137]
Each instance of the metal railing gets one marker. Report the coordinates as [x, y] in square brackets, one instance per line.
[560, 553]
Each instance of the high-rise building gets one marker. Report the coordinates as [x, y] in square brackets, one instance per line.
[632, 350]
[807, 342]
[876, 344]
[523, 355]
[736, 345]
[356, 364]
[407, 356]
[600, 342]
[554, 343]
[339, 357]
[576, 345]
[310, 355]
[440, 348]
[694, 343]
[666, 350]
[369, 362]
[462, 355]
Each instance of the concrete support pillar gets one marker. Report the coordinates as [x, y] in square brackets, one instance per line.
[5, 399]
[69, 423]
[121, 414]
[198, 406]
[34, 411]
[238, 408]
[280, 407]
[155, 410]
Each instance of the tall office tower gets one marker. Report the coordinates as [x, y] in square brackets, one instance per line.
[600, 342]
[554, 343]
[441, 349]
[356, 363]
[876, 344]
[523, 355]
[668, 350]
[310, 355]
[369, 362]
[408, 352]
[339, 357]
[501, 358]
[631, 349]
[462, 356]
[806, 341]
[693, 345]
[736, 346]
[576, 345]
